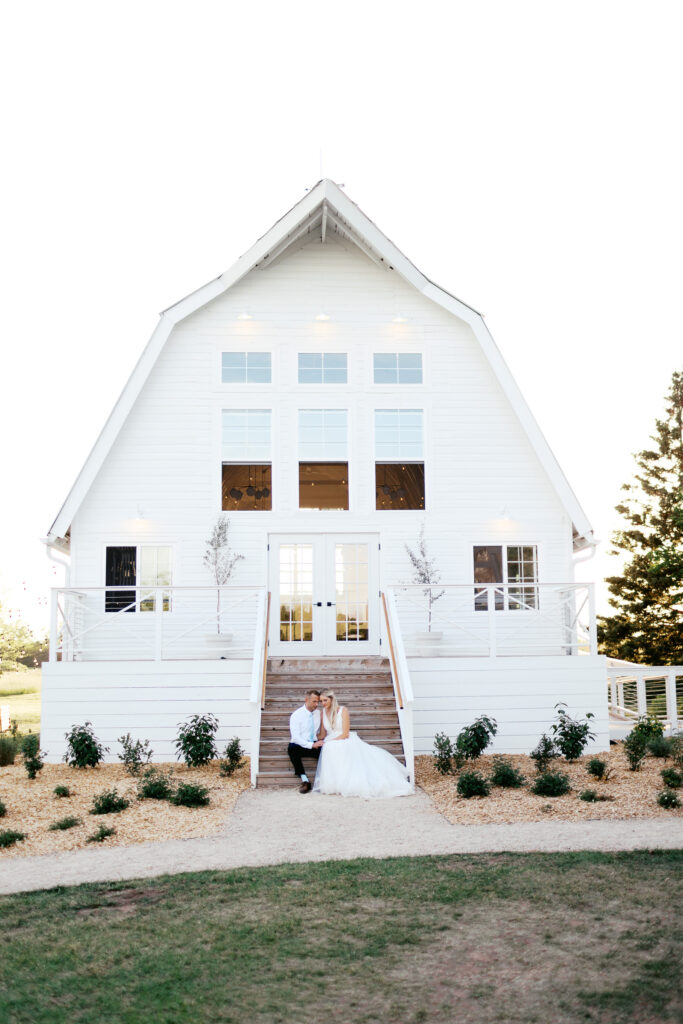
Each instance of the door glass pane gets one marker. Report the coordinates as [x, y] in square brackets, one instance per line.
[351, 592]
[296, 593]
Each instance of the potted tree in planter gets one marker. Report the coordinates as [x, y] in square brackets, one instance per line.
[220, 560]
[425, 572]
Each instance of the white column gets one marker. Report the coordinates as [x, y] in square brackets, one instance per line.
[53, 624]
[671, 709]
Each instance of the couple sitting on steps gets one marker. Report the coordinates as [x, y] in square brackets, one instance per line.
[346, 765]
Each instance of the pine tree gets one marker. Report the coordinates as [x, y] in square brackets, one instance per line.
[646, 626]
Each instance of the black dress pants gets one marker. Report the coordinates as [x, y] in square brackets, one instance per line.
[296, 753]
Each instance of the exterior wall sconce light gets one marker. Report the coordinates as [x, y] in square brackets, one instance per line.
[245, 316]
[322, 316]
[400, 320]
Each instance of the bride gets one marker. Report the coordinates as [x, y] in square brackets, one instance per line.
[350, 766]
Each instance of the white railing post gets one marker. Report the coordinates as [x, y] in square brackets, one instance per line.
[54, 632]
[491, 605]
[641, 695]
[671, 708]
[593, 622]
[158, 623]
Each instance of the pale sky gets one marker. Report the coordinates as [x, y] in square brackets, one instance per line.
[525, 156]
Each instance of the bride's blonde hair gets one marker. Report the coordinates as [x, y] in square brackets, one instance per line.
[333, 713]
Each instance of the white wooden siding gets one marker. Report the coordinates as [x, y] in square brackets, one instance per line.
[146, 699]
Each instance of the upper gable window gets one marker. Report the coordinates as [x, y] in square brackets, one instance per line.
[246, 368]
[398, 367]
[246, 435]
[322, 368]
[398, 435]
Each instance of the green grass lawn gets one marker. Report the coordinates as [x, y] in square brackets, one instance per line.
[21, 690]
[494, 938]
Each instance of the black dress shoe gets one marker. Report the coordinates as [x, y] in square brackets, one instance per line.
[305, 787]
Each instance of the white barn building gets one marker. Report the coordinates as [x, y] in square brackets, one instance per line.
[331, 401]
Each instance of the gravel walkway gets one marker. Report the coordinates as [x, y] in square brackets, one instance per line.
[276, 827]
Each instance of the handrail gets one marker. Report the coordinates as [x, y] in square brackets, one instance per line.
[265, 652]
[392, 654]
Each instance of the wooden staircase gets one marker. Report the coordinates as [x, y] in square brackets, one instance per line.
[363, 685]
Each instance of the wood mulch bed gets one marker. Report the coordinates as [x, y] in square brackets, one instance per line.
[635, 793]
[32, 806]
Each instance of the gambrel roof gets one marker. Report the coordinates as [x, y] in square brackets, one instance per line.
[324, 208]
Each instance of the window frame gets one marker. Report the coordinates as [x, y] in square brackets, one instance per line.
[137, 587]
[507, 605]
[246, 383]
[322, 382]
[398, 382]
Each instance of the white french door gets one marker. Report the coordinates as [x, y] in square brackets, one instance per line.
[325, 591]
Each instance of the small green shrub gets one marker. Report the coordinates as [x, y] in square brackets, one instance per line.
[660, 746]
[64, 823]
[195, 742]
[135, 753]
[233, 757]
[32, 754]
[591, 796]
[155, 785]
[571, 734]
[189, 794]
[472, 784]
[8, 837]
[676, 749]
[8, 750]
[505, 775]
[672, 779]
[667, 798]
[83, 749]
[473, 739]
[103, 832]
[443, 754]
[551, 784]
[598, 769]
[543, 753]
[648, 727]
[108, 802]
[61, 791]
[635, 748]
[3, 809]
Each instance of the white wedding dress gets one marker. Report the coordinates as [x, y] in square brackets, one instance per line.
[352, 767]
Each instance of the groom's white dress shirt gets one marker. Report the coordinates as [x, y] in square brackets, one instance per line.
[303, 726]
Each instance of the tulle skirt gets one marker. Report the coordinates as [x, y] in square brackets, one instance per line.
[352, 767]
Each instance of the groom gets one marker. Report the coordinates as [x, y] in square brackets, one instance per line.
[304, 725]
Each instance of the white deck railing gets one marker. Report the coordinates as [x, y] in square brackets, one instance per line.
[496, 620]
[154, 623]
[646, 689]
[400, 677]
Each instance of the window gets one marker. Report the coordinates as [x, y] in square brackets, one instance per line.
[322, 368]
[323, 459]
[398, 367]
[123, 567]
[324, 485]
[246, 435]
[247, 488]
[246, 368]
[322, 435]
[399, 469]
[515, 565]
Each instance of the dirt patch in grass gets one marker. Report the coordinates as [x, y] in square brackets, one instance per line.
[635, 793]
[32, 806]
[123, 902]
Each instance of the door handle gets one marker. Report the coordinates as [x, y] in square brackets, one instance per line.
[318, 604]
[330, 604]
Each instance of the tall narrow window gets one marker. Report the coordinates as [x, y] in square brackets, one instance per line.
[399, 466]
[323, 459]
[398, 367]
[246, 470]
[511, 564]
[246, 368]
[322, 368]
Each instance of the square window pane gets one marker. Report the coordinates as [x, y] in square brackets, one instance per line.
[335, 376]
[385, 360]
[399, 486]
[234, 375]
[310, 376]
[334, 360]
[258, 359]
[324, 485]
[410, 359]
[388, 376]
[410, 375]
[259, 375]
[234, 359]
[247, 488]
